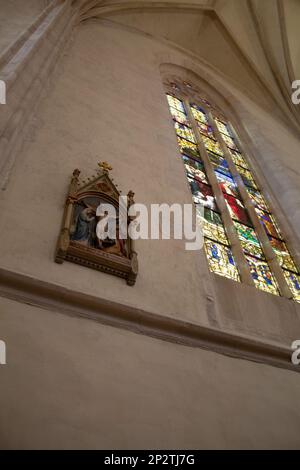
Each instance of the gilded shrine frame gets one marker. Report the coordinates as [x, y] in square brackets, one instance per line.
[78, 242]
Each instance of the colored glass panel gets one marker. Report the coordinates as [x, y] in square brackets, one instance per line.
[229, 142]
[227, 184]
[257, 199]
[262, 276]
[175, 103]
[293, 281]
[188, 148]
[212, 145]
[213, 217]
[202, 194]
[238, 158]
[194, 169]
[211, 224]
[219, 163]
[220, 259]
[283, 255]
[184, 132]
[249, 240]
[178, 116]
[205, 129]
[199, 114]
[223, 128]
[247, 177]
[237, 210]
[268, 223]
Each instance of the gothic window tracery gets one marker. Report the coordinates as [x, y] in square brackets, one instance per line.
[242, 238]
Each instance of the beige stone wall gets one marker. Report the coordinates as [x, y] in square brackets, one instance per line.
[72, 383]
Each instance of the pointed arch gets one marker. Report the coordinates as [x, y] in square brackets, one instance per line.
[243, 239]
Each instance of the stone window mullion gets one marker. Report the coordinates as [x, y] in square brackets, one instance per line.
[229, 227]
[263, 238]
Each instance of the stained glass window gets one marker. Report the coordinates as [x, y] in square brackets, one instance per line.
[293, 281]
[257, 199]
[205, 129]
[229, 142]
[260, 270]
[262, 276]
[249, 240]
[247, 177]
[268, 223]
[283, 255]
[223, 128]
[212, 145]
[219, 163]
[208, 129]
[178, 116]
[175, 103]
[237, 209]
[199, 114]
[212, 226]
[220, 259]
[194, 169]
[189, 148]
[238, 158]
[184, 132]
[202, 194]
[227, 184]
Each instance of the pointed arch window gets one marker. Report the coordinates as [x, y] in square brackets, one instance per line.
[242, 238]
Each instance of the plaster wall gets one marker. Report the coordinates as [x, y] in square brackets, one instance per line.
[73, 383]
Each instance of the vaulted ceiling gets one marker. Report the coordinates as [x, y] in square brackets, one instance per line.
[15, 17]
[254, 43]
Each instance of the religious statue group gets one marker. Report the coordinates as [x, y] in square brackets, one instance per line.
[86, 229]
